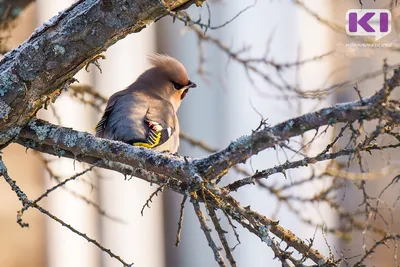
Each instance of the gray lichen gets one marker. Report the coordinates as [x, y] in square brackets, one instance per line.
[332, 121]
[243, 140]
[264, 231]
[289, 125]
[10, 133]
[70, 140]
[4, 110]
[58, 49]
[60, 152]
[41, 131]
[267, 240]
[6, 82]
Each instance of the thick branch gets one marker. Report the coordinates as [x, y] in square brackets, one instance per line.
[366, 109]
[247, 146]
[85, 144]
[82, 144]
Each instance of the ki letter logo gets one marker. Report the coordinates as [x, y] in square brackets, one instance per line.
[368, 22]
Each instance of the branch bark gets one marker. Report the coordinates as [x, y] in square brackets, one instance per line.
[366, 109]
[88, 148]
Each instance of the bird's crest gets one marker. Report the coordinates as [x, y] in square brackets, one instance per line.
[171, 66]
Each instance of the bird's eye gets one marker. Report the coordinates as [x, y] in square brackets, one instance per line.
[177, 86]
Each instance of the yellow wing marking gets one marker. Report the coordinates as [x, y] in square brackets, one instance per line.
[154, 142]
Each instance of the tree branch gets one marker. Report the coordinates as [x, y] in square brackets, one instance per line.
[85, 144]
[247, 146]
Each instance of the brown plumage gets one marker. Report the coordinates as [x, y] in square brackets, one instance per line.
[144, 114]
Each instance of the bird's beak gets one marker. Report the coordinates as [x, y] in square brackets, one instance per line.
[191, 85]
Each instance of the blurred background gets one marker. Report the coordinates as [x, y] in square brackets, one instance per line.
[229, 102]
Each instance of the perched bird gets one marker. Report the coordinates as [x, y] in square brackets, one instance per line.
[144, 114]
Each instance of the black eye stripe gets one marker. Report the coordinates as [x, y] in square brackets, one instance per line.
[177, 86]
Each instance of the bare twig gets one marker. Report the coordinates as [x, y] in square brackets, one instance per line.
[206, 230]
[180, 222]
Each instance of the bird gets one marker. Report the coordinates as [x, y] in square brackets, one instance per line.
[145, 113]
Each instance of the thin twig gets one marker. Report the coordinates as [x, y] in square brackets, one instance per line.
[180, 222]
[207, 232]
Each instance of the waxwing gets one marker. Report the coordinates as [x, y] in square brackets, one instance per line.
[144, 114]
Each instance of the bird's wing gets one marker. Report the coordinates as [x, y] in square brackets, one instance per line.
[139, 119]
[123, 118]
[160, 121]
[101, 126]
